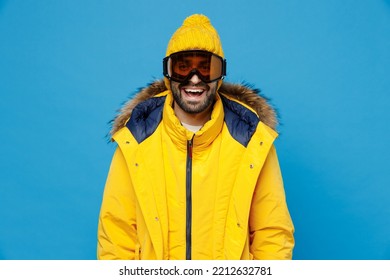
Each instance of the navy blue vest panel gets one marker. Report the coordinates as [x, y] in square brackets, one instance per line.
[145, 118]
[241, 121]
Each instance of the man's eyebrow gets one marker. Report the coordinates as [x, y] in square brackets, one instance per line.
[203, 63]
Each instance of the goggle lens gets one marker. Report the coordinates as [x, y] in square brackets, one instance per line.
[181, 66]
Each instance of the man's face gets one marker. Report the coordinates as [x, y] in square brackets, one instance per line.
[193, 96]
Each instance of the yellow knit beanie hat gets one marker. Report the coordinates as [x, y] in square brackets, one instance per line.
[196, 33]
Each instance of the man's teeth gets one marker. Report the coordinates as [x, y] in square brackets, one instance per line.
[194, 91]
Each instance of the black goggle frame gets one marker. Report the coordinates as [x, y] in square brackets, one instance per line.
[183, 79]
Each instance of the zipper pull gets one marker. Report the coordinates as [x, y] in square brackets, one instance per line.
[189, 148]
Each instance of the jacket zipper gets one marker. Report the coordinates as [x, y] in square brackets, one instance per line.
[189, 199]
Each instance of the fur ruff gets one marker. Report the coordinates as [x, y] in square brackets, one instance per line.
[244, 93]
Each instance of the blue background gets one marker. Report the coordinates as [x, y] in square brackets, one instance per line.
[67, 66]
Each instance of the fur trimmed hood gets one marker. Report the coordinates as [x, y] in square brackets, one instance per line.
[242, 92]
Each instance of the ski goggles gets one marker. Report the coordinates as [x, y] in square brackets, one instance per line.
[181, 66]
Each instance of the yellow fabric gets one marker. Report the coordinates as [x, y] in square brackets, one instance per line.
[196, 33]
[239, 209]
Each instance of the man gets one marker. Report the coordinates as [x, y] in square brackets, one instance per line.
[195, 174]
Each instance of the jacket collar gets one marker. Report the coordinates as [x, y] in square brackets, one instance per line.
[201, 139]
[244, 93]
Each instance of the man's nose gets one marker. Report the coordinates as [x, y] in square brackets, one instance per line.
[195, 79]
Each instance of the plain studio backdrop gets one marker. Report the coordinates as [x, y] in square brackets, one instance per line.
[67, 66]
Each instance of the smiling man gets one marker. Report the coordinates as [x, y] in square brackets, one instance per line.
[195, 174]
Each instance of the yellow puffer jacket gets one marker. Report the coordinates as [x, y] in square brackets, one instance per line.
[215, 194]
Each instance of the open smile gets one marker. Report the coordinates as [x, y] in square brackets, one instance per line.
[193, 91]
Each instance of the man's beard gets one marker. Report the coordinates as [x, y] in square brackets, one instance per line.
[193, 107]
